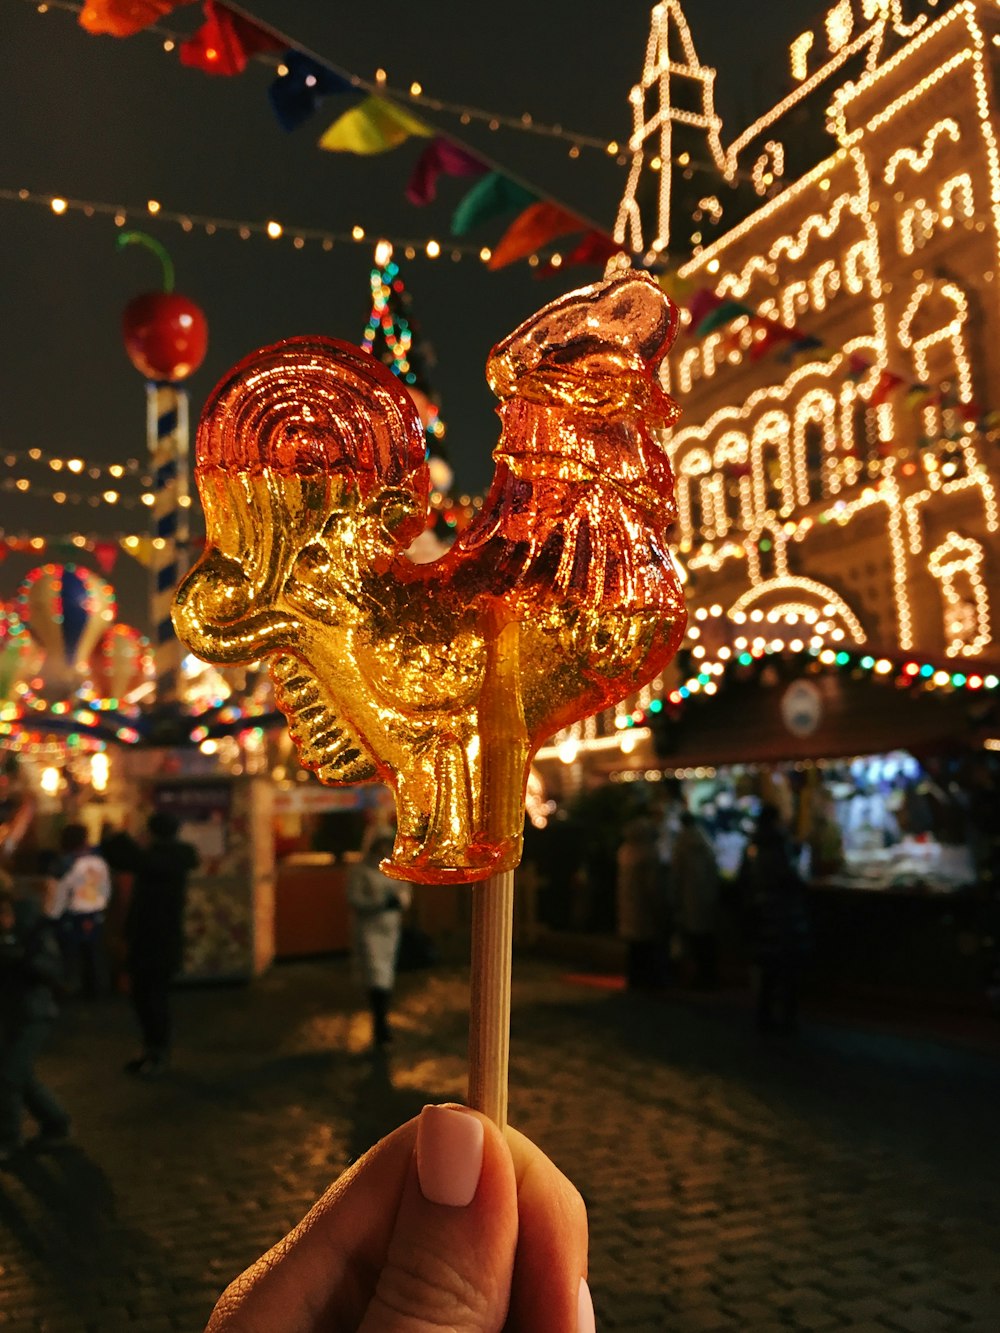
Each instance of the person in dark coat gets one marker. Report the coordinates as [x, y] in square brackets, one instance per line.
[30, 971]
[154, 935]
[695, 877]
[642, 906]
[774, 906]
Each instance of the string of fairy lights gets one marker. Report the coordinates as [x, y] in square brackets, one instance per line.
[76, 466]
[113, 475]
[246, 228]
[414, 93]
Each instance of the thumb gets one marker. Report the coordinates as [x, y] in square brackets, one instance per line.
[451, 1256]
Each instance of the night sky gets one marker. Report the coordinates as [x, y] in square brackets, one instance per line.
[121, 121]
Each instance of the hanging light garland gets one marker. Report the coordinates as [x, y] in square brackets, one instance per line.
[245, 229]
[76, 466]
[25, 486]
[413, 93]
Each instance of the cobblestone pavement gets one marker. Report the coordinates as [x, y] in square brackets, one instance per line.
[842, 1179]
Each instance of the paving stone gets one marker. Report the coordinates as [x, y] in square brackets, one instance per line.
[731, 1186]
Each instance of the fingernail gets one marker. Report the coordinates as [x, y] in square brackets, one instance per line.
[449, 1155]
[585, 1310]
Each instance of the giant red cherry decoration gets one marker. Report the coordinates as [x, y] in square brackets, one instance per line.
[165, 333]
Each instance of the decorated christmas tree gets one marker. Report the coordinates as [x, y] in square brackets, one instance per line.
[393, 336]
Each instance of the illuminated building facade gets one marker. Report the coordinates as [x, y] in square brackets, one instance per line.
[840, 414]
[848, 487]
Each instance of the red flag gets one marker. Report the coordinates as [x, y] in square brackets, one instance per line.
[858, 366]
[887, 382]
[538, 224]
[225, 42]
[105, 554]
[441, 157]
[592, 248]
[701, 303]
[123, 18]
[769, 334]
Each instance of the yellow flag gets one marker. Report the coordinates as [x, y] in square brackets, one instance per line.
[139, 548]
[373, 126]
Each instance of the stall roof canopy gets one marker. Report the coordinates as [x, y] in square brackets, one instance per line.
[789, 709]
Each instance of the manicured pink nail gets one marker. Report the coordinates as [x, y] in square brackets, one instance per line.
[585, 1310]
[449, 1155]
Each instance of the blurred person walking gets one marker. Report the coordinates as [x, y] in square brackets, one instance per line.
[30, 971]
[117, 847]
[642, 905]
[773, 898]
[78, 905]
[154, 934]
[695, 880]
[378, 904]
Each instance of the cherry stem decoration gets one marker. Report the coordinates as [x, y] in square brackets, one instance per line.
[141, 238]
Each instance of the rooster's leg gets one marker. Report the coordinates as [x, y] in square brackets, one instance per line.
[437, 833]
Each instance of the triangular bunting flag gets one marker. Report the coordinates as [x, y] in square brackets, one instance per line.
[225, 42]
[105, 555]
[139, 548]
[295, 95]
[676, 287]
[887, 382]
[768, 334]
[373, 126]
[857, 366]
[593, 248]
[724, 313]
[799, 346]
[441, 157]
[491, 197]
[124, 18]
[700, 304]
[538, 224]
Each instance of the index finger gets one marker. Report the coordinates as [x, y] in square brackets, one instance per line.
[551, 1259]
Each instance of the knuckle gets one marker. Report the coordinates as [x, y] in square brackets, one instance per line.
[422, 1289]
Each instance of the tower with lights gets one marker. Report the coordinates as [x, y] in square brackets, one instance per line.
[675, 140]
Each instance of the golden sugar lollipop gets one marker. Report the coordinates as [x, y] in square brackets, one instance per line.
[443, 679]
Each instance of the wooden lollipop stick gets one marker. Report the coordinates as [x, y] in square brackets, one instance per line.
[489, 1002]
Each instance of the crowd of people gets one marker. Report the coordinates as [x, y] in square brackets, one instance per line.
[56, 943]
[669, 903]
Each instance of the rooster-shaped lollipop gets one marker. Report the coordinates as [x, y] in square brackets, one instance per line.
[443, 679]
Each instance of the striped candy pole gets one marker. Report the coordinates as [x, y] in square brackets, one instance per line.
[167, 434]
[165, 336]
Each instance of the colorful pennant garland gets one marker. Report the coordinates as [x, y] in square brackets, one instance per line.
[226, 42]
